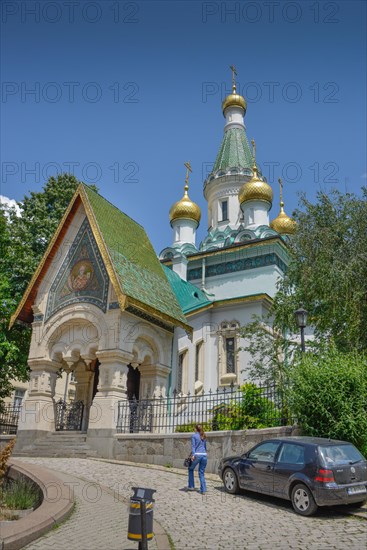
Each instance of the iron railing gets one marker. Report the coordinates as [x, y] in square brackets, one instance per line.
[9, 418]
[230, 408]
[69, 416]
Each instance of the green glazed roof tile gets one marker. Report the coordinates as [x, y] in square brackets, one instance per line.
[137, 267]
[188, 295]
[234, 152]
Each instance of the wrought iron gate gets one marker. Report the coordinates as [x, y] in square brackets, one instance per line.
[69, 416]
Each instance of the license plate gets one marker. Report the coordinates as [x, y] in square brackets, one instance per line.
[357, 490]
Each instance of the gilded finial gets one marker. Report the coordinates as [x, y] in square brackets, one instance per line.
[254, 168]
[234, 74]
[188, 170]
[281, 192]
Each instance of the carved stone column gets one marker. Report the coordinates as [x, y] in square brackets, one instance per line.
[83, 375]
[104, 409]
[38, 412]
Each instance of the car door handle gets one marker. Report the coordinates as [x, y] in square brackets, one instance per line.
[269, 467]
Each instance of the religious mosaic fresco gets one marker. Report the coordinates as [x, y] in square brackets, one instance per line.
[82, 277]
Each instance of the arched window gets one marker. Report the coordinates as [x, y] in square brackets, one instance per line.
[227, 352]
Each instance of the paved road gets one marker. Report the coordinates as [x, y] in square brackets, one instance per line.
[213, 521]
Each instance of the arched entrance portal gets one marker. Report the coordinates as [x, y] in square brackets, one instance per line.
[74, 345]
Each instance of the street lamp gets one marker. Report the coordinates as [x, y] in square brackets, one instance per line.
[301, 319]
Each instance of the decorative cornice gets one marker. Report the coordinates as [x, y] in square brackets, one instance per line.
[233, 301]
[148, 314]
[233, 266]
[236, 247]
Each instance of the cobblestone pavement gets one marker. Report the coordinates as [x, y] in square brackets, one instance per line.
[213, 521]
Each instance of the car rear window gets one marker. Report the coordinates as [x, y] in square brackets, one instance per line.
[339, 454]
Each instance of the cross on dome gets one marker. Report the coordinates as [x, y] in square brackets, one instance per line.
[234, 74]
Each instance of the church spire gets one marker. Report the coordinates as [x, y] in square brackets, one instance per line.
[235, 151]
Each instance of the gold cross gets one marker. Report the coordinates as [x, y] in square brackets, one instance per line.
[234, 74]
[280, 190]
[189, 169]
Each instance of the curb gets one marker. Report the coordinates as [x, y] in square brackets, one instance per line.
[19, 533]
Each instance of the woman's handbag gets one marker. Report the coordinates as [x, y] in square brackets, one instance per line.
[188, 461]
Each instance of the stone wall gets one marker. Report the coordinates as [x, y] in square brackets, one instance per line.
[171, 449]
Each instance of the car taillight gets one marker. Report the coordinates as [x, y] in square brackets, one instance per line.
[325, 476]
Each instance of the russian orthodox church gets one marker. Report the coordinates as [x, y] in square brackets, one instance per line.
[127, 324]
[232, 275]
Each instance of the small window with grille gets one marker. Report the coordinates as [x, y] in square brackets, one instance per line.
[18, 397]
[230, 355]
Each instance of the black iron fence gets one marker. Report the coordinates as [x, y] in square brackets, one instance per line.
[9, 418]
[69, 416]
[233, 408]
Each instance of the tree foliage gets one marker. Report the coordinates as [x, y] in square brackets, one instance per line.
[269, 351]
[328, 395]
[23, 241]
[328, 270]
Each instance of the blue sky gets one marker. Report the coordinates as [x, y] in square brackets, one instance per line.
[125, 92]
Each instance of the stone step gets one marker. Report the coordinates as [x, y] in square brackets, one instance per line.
[59, 444]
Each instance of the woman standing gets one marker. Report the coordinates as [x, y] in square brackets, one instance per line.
[198, 456]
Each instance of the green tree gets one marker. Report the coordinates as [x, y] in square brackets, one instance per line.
[328, 270]
[31, 232]
[328, 395]
[24, 240]
[269, 351]
[13, 344]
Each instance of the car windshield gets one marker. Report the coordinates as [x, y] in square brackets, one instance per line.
[339, 454]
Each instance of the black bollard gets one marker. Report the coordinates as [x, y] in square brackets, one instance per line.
[140, 526]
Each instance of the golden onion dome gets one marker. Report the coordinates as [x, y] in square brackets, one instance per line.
[283, 224]
[185, 209]
[255, 190]
[234, 100]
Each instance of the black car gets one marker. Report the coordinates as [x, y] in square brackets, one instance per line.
[309, 471]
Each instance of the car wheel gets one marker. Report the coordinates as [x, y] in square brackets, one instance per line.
[230, 481]
[302, 500]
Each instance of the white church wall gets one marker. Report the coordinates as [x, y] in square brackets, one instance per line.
[254, 281]
[207, 328]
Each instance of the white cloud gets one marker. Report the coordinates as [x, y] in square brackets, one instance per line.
[10, 203]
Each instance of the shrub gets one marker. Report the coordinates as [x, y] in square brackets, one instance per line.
[252, 411]
[4, 457]
[190, 427]
[328, 395]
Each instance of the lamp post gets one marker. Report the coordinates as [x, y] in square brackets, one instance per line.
[301, 319]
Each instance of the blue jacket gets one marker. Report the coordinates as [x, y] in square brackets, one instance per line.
[198, 445]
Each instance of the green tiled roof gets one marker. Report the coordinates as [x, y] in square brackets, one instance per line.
[136, 265]
[235, 151]
[189, 296]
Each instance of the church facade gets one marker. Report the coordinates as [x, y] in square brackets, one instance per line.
[126, 324]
